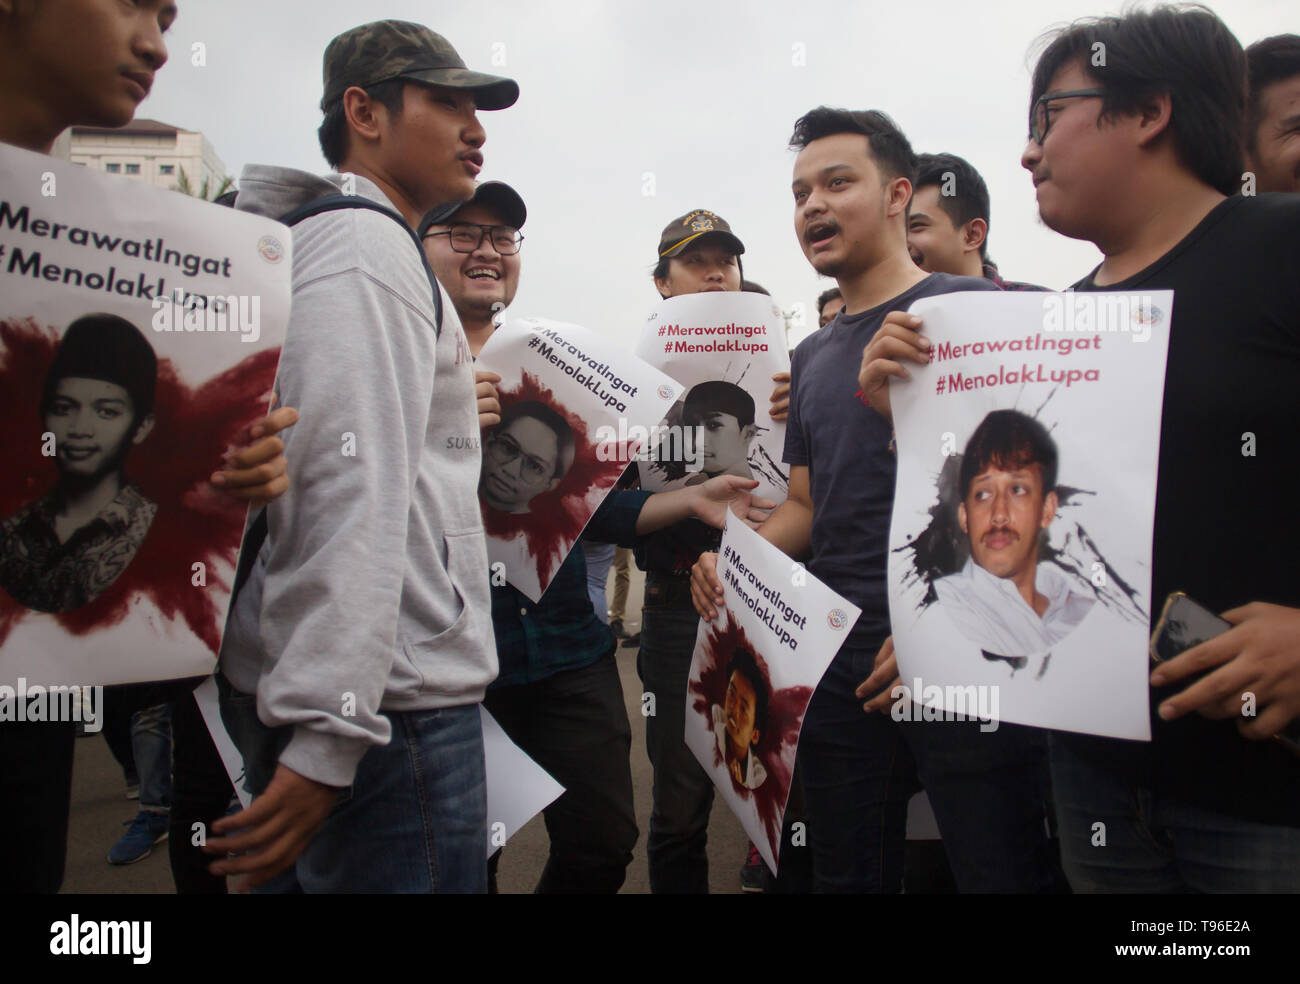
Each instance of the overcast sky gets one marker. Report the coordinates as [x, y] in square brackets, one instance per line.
[693, 102]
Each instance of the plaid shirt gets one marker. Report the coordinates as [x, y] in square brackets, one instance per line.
[561, 632]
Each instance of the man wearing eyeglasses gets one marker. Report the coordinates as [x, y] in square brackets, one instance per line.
[558, 694]
[1143, 157]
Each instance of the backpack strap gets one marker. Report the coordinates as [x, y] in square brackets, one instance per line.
[332, 203]
[257, 532]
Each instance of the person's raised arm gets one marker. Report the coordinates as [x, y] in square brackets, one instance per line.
[707, 502]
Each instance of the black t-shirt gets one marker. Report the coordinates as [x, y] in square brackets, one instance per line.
[845, 446]
[1226, 526]
[674, 549]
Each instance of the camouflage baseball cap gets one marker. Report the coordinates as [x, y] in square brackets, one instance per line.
[681, 232]
[393, 49]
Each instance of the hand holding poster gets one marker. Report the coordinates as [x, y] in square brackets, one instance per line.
[723, 347]
[1020, 545]
[139, 335]
[574, 413]
[753, 673]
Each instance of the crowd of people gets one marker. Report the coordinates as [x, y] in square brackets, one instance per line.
[1177, 155]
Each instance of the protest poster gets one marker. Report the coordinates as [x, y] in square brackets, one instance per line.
[575, 410]
[753, 673]
[1020, 543]
[723, 348]
[140, 331]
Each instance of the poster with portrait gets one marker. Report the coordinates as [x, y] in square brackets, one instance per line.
[140, 331]
[723, 347]
[753, 673]
[575, 411]
[1020, 543]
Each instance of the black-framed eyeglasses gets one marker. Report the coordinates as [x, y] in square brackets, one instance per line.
[465, 237]
[1040, 122]
[504, 449]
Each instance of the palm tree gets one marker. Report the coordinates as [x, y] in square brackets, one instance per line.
[185, 188]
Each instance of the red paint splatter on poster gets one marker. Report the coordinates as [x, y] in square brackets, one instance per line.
[555, 519]
[195, 523]
[777, 744]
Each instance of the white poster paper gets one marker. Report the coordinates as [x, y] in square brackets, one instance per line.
[140, 331]
[207, 697]
[1020, 546]
[723, 347]
[575, 410]
[517, 787]
[753, 673]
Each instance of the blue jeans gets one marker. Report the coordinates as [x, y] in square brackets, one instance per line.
[989, 792]
[151, 747]
[859, 771]
[1154, 842]
[682, 791]
[599, 557]
[414, 819]
[858, 775]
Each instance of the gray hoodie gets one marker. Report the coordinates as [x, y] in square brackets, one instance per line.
[371, 591]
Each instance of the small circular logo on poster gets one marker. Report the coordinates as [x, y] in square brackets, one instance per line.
[270, 249]
[665, 391]
[1147, 314]
[837, 618]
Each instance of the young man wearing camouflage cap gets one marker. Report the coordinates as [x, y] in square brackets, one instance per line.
[361, 644]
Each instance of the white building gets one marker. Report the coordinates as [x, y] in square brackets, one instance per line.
[148, 151]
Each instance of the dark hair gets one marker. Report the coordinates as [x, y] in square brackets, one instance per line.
[743, 662]
[660, 272]
[828, 295]
[971, 195]
[546, 415]
[892, 153]
[717, 396]
[1007, 440]
[108, 348]
[1185, 51]
[333, 132]
[1268, 61]
[753, 288]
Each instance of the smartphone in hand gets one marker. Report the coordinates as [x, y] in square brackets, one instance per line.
[1185, 623]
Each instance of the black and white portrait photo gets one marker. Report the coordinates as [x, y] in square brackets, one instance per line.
[529, 452]
[723, 415]
[62, 550]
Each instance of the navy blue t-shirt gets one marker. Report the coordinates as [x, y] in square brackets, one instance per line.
[845, 445]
